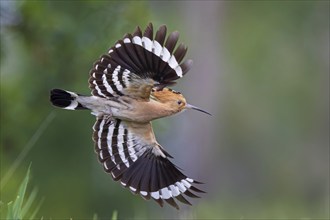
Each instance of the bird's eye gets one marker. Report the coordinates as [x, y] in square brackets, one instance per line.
[179, 102]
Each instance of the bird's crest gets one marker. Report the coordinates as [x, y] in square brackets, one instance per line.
[166, 94]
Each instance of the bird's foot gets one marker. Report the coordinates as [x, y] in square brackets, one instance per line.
[108, 118]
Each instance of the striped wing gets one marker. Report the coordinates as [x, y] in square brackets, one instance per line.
[131, 154]
[139, 62]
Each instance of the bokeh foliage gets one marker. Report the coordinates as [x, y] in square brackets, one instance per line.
[267, 144]
[54, 43]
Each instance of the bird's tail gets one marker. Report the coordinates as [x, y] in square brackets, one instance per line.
[65, 99]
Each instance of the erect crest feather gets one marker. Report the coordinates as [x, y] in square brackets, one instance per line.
[166, 94]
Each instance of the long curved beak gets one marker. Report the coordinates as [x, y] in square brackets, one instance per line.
[188, 106]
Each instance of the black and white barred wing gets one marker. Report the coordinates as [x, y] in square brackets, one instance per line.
[128, 152]
[139, 62]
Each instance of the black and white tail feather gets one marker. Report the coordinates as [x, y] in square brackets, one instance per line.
[133, 67]
[65, 99]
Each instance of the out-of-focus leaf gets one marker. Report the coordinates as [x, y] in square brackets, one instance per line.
[114, 215]
[17, 205]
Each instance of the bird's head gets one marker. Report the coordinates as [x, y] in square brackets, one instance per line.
[174, 100]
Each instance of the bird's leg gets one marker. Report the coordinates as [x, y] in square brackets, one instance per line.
[108, 118]
[107, 115]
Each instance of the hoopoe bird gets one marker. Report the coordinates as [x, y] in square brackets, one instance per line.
[129, 90]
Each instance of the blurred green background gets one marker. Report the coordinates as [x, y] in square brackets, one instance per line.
[260, 67]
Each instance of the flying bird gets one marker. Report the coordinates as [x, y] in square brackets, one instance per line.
[130, 89]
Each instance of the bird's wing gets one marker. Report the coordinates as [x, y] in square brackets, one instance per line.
[131, 154]
[138, 62]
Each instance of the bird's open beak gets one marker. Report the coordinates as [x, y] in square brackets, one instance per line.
[188, 106]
